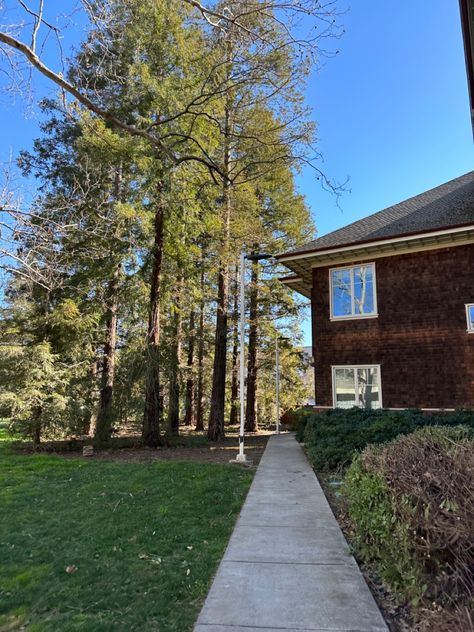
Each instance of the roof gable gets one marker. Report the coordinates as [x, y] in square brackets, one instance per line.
[448, 205]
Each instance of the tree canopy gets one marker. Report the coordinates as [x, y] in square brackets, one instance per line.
[173, 147]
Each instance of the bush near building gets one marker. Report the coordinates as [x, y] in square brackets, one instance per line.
[334, 437]
[411, 507]
[293, 417]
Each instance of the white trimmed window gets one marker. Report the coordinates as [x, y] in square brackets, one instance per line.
[353, 292]
[356, 386]
[470, 317]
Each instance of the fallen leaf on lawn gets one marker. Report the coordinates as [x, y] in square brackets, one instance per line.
[154, 559]
[71, 569]
[190, 548]
[188, 572]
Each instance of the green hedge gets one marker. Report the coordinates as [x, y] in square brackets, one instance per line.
[334, 437]
[295, 419]
[411, 506]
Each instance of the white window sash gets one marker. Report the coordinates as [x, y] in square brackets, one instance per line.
[356, 368]
[352, 293]
[469, 320]
[356, 386]
[352, 315]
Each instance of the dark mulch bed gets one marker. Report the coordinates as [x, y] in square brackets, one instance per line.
[189, 446]
[220, 452]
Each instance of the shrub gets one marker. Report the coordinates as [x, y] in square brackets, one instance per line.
[34, 391]
[377, 535]
[290, 418]
[295, 419]
[411, 504]
[334, 437]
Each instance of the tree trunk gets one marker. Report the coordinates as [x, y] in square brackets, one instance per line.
[250, 411]
[153, 402]
[189, 402]
[200, 362]
[175, 362]
[234, 388]
[216, 419]
[215, 431]
[91, 423]
[37, 426]
[103, 427]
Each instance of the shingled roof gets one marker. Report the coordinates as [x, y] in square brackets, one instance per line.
[448, 205]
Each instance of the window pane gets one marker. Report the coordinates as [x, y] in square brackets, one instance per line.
[364, 290]
[345, 388]
[368, 388]
[341, 293]
[470, 311]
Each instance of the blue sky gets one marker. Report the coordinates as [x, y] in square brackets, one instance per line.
[392, 107]
[392, 110]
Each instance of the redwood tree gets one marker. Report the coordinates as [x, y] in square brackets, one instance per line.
[251, 405]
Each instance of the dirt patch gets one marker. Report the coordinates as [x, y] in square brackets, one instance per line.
[189, 446]
[221, 452]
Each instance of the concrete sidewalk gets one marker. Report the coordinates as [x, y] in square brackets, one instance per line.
[287, 565]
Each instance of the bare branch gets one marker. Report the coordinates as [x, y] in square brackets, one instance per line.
[105, 115]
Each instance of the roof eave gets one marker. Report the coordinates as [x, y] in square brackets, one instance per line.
[298, 284]
[467, 23]
[288, 256]
[302, 264]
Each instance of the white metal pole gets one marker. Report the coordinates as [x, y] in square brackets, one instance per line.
[277, 380]
[241, 456]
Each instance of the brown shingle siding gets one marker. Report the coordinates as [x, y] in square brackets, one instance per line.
[419, 337]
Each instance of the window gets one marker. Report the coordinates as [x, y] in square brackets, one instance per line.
[470, 317]
[356, 386]
[353, 292]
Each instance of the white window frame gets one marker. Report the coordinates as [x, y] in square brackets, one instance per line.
[469, 321]
[355, 367]
[353, 315]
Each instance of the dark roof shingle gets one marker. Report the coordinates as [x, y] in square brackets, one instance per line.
[448, 205]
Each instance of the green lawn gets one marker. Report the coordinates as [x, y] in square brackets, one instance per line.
[142, 541]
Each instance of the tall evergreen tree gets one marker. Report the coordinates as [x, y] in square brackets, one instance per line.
[178, 152]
